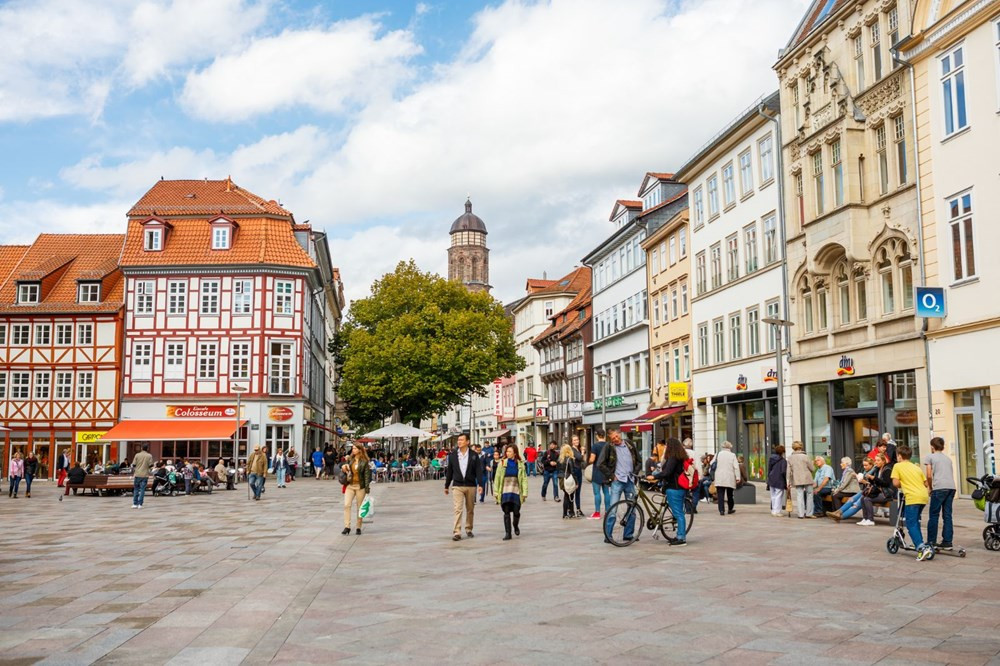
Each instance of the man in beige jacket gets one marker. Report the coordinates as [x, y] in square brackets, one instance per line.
[257, 471]
[140, 476]
[800, 480]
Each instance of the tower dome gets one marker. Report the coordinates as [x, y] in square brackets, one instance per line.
[468, 222]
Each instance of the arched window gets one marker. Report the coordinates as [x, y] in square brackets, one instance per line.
[884, 267]
[894, 266]
[843, 286]
[806, 306]
[905, 264]
[475, 269]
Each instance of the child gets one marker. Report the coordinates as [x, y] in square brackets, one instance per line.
[912, 481]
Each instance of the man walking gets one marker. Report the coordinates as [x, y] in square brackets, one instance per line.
[62, 467]
[257, 469]
[487, 463]
[800, 480]
[530, 456]
[550, 470]
[600, 484]
[141, 465]
[620, 462]
[941, 480]
[464, 471]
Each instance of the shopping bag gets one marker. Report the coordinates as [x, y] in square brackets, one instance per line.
[367, 508]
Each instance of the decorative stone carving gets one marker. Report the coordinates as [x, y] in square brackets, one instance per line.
[881, 95]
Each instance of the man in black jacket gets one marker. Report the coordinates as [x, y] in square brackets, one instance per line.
[620, 462]
[550, 471]
[464, 471]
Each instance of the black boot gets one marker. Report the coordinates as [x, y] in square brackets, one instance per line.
[506, 526]
[517, 519]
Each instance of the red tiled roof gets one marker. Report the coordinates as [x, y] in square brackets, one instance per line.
[660, 176]
[85, 254]
[572, 282]
[578, 282]
[203, 197]
[10, 257]
[630, 203]
[534, 284]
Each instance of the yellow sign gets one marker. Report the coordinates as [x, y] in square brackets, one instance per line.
[89, 436]
[678, 391]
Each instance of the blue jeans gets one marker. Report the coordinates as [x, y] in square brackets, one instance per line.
[482, 485]
[601, 490]
[940, 504]
[675, 499]
[139, 490]
[27, 482]
[826, 491]
[279, 474]
[619, 488]
[911, 513]
[851, 506]
[15, 483]
[530, 468]
[554, 476]
[256, 484]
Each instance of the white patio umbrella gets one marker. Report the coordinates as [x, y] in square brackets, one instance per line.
[398, 430]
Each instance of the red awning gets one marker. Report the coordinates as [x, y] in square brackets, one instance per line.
[171, 429]
[320, 426]
[645, 422]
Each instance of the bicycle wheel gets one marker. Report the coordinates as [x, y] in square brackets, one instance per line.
[668, 524]
[624, 523]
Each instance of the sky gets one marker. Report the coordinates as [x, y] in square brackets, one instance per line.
[374, 119]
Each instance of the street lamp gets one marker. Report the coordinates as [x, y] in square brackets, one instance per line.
[239, 390]
[604, 401]
[779, 327]
[534, 415]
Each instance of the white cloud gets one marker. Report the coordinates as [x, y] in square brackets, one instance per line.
[349, 63]
[22, 221]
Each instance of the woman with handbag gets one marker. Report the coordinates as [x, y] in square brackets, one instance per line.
[569, 464]
[280, 466]
[510, 488]
[358, 475]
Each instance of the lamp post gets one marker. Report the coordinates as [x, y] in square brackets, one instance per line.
[239, 390]
[779, 328]
[604, 401]
[534, 415]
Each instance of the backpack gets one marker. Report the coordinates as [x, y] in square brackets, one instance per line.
[688, 479]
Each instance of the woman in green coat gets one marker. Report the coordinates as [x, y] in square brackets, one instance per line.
[510, 487]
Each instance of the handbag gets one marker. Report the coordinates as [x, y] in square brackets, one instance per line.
[588, 473]
[569, 484]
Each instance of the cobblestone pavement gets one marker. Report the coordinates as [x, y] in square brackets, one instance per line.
[217, 579]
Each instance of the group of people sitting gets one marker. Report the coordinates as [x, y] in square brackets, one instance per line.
[170, 475]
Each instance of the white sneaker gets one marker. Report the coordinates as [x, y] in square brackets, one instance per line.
[866, 523]
[139, 507]
[135, 506]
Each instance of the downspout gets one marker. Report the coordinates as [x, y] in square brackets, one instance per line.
[780, 177]
[920, 228]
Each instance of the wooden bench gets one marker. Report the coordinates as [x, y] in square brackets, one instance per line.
[102, 484]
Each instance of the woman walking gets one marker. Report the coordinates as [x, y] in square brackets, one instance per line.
[578, 449]
[510, 488]
[727, 477]
[292, 462]
[777, 472]
[569, 464]
[359, 484]
[30, 471]
[280, 467]
[15, 474]
[671, 469]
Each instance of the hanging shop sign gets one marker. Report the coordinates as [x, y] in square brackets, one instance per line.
[279, 413]
[678, 391]
[497, 402]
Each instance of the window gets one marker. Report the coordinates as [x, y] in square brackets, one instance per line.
[822, 305]
[85, 385]
[716, 266]
[88, 292]
[771, 253]
[746, 173]
[220, 237]
[701, 274]
[666, 307]
[838, 173]
[888, 284]
[239, 360]
[209, 297]
[861, 294]
[657, 375]
[953, 91]
[242, 296]
[728, 185]
[673, 250]
[844, 296]
[773, 311]
[732, 258]
[750, 247]
[817, 172]
[807, 310]
[278, 437]
[859, 63]
[64, 385]
[875, 38]
[84, 334]
[654, 261]
[677, 364]
[684, 298]
[3, 334]
[699, 207]
[27, 292]
[687, 361]
[883, 160]
[962, 246]
[713, 196]
[906, 281]
[142, 361]
[43, 335]
[281, 369]
[682, 241]
[673, 303]
[283, 304]
[64, 334]
[702, 345]
[175, 360]
[753, 332]
[800, 200]
[43, 384]
[21, 335]
[899, 137]
[765, 149]
[144, 297]
[735, 336]
[663, 257]
[177, 297]
[719, 340]
[656, 312]
[20, 385]
[152, 240]
[794, 89]
[3, 385]
[208, 360]
[892, 20]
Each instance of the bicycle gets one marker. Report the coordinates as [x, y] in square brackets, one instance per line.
[630, 517]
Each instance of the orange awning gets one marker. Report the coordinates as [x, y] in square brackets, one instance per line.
[171, 429]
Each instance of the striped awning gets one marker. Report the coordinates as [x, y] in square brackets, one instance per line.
[646, 422]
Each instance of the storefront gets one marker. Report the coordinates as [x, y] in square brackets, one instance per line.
[48, 445]
[663, 423]
[748, 420]
[619, 410]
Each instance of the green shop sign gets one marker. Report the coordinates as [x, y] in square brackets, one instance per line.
[613, 401]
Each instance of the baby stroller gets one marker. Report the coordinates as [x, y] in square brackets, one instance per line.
[987, 498]
[165, 485]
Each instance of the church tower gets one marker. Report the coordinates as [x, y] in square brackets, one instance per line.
[468, 256]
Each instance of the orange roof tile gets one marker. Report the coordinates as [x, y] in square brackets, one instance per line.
[573, 282]
[630, 203]
[660, 176]
[10, 257]
[578, 282]
[534, 284]
[203, 197]
[86, 254]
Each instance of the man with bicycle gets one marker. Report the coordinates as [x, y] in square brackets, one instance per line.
[621, 463]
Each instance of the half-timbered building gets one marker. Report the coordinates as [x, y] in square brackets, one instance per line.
[60, 352]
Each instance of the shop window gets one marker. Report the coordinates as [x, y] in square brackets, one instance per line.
[856, 393]
[816, 410]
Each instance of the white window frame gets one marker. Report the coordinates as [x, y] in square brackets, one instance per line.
[284, 299]
[88, 292]
[751, 256]
[746, 172]
[242, 295]
[152, 239]
[64, 335]
[43, 385]
[145, 298]
[84, 334]
[899, 143]
[703, 346]
[712, 185]
[772, 252]
[875, 39]
[837, 166]
[43, 335]
[859, 62]
[177, 296]
[175, 360]
[20, 335]
[64, 385]
[753, 332]
[961, 210]
[208, 361]
[85, 385]
[142, 360]
[699, 204]
[20, 385]
[819, 184]
[221, 234]
[208, 297]
[953, 105]
[728, 185]
[735, 336]
[281, 368]
[765, 156]
[240, 358]
[3, 385]
[29, 293]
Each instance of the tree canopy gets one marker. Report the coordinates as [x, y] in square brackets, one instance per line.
[419, 344]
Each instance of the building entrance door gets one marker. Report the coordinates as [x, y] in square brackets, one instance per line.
[857, 436]
[88, 454]
[974, 435]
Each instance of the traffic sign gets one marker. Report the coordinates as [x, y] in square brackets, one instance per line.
[930, 302]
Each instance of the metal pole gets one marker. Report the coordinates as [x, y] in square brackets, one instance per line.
[604, 403]
[779, 341]
[534, 417]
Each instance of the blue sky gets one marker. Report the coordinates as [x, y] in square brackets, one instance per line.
[374, 119]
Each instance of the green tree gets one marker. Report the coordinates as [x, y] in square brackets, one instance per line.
[419, 344]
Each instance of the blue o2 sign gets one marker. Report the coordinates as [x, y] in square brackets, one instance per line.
[930, 302]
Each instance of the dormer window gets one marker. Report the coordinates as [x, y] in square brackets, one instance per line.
[220, 237]
[88, 292]
[152, 240]
[28, 292]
